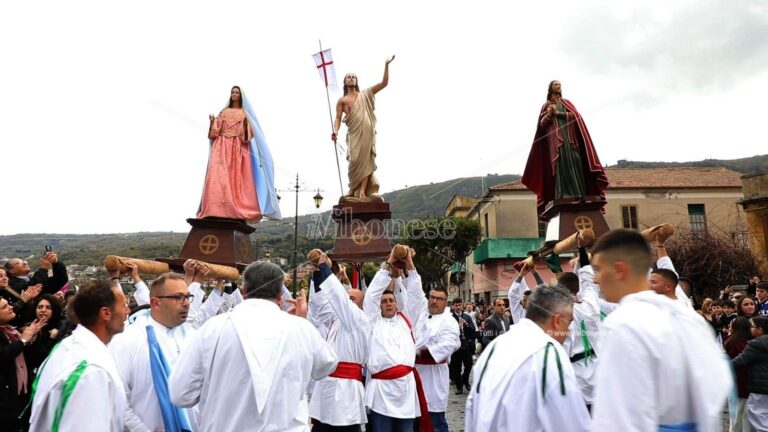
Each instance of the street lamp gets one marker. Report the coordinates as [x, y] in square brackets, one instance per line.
[318, 200]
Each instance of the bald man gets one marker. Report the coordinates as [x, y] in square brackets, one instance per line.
[338, 401]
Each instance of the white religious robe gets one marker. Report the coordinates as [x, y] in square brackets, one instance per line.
[199, 311]
[248, 370]
[588, 312]
[515, 295]
[659, 365]
[507, 386]
[665, 262]
[141, 293]
[440, 336]
[130, 350]
[97, 402]
[341, 401]
[392, 344]
[320, 313]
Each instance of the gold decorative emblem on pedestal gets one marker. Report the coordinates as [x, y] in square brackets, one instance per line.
[361, 235]
[208, 244]
[583, 222]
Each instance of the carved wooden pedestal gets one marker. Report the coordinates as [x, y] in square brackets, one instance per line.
[216, 241]
[566, 216]
[361, 234]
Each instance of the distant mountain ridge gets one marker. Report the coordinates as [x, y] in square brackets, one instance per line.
[749, 165]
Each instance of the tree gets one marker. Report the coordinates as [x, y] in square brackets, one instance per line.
[440, 242]
[711, 261]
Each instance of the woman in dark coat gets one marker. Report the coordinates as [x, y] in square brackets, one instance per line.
[14, 379]
[45, 307]
[741, 334]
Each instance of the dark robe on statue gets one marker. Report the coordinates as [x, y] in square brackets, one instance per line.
[563, 162]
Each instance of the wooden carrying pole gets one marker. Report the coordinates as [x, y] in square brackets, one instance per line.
[215, 271]
[114, 262]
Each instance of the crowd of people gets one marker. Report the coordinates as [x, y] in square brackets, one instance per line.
[616, 344]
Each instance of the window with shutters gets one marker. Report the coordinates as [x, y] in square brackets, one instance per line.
[629, 216]
[697, 217]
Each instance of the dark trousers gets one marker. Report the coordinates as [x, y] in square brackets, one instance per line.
[322, 427]
[439, 423]
[382, 423]
[462, 357]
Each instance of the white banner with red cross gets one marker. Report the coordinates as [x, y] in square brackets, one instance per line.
[324, 63]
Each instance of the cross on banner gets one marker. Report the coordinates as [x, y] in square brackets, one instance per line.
[324, 63]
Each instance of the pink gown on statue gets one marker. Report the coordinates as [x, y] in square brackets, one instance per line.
[229, 190]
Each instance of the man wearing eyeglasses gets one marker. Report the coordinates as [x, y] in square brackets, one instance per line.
[436, 340]
[146, 353]
[523, 380]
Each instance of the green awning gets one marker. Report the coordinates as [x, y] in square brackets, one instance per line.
[502, 248]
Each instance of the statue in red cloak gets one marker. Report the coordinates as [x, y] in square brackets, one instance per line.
[563, 162]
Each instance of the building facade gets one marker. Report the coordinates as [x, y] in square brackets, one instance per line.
[699, 199]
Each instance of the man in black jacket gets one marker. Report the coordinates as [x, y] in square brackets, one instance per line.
[496, 324]
[462, 356]
[19, 279]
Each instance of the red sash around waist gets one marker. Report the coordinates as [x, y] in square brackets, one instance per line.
[349, 371]
[399, 371]
[427, 359]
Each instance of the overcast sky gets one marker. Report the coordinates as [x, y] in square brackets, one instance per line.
[104, 106]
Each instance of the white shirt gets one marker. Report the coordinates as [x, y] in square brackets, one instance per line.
[588, 312]
[515, 295]
[440, 336]
[659, 365]
[97, 402]
[141, 293]
[130, 350]
[340, 401]
[320, 312]
[200, 312]
[249, 370]
[665, 262]
[510, 397]
[392, 344]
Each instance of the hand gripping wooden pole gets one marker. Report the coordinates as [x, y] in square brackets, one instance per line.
[216, 271]
[659, 232]
[584, 237]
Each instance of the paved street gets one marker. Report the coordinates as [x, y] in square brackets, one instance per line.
[455, 410]
[456, 405]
